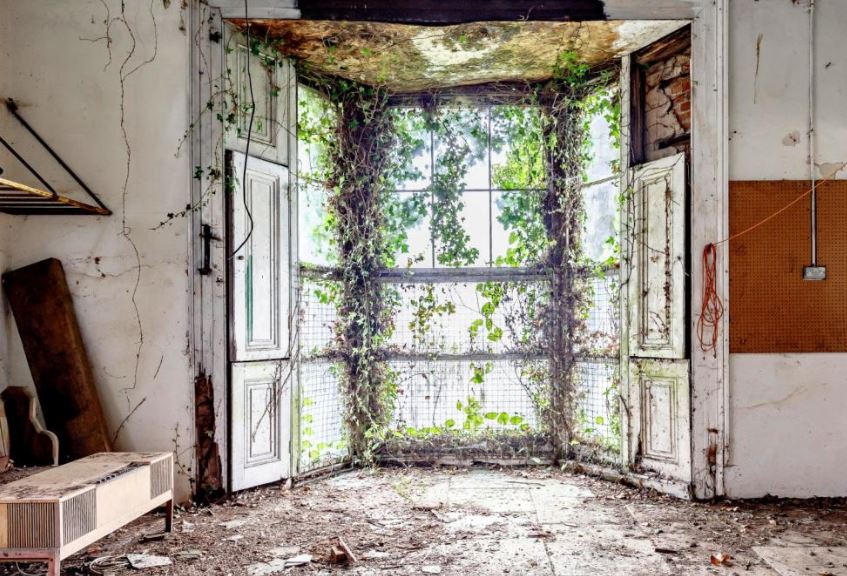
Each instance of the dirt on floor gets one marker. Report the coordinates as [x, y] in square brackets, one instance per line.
[466, 522]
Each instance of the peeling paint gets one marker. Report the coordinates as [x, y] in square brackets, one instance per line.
[792, 138]
[830, 169]
[406, 58]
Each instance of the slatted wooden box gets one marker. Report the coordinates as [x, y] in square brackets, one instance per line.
[53, 514]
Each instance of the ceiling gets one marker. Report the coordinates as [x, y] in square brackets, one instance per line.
[411, 58]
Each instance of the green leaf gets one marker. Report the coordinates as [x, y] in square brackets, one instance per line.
[503, 418]
[491, 415]
[516, 420]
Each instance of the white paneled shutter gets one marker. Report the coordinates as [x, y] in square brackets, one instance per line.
[658, 394]
[262, 261]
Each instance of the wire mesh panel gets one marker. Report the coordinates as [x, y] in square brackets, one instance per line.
[323, 434]
[602, 325]
[597, 410]
[468, 395]
[468, 362]
[468, 317]
[318, 314]
[470, 370]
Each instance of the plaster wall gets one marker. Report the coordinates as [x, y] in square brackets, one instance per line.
[128, 276]
[788, 433]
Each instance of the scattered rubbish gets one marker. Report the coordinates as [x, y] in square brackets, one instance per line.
[431, 569]
[284, 551]
[300, 560]
[154, 536]
[234, 538]
[340, 553]
[139, 561]
[721, 559]
[188, 555]
[375, 555]
[187, 527]
[266, 568]
[278, 565]
[803, 560]
[233, 524]
[106, 565]
[662, 550]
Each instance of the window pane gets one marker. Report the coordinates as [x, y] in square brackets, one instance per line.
[603, 153]
[412, 237]
[314, 125]
[316, 244]
[517, 159]
[601, 221]
[461, 142]
[473, 219]
[518, 234]
[414, 156]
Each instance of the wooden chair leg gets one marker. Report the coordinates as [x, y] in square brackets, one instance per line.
[169, 516]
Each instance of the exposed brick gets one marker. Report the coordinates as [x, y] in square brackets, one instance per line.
[667, 104]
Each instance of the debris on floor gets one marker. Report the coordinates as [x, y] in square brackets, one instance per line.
[721, 559]
[480, 522]
[140, 561]
[340, 553]
[805, 560]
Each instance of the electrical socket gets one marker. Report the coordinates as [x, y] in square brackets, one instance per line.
[814, 273]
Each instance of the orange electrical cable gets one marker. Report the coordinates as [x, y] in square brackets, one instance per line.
[711, 307]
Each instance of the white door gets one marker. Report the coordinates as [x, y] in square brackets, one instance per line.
[260, 321]
[656, 361]
[261, 260]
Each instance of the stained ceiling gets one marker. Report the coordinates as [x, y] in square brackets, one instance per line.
[409, 58]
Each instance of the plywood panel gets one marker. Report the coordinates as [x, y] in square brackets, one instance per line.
[44, 313]
[772, 309]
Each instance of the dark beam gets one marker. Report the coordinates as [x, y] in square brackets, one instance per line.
[440, 12]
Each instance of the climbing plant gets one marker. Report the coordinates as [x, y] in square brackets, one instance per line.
[365, 149]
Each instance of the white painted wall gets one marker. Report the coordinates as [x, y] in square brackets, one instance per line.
[787, 424]
[69, 89]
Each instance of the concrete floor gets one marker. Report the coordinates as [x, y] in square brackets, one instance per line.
[480, 522]
[546, 527]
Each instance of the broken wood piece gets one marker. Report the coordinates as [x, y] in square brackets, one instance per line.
[340, 553]
[44, 314]
[29, 443]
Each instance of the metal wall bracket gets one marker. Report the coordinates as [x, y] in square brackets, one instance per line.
[17, 198]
